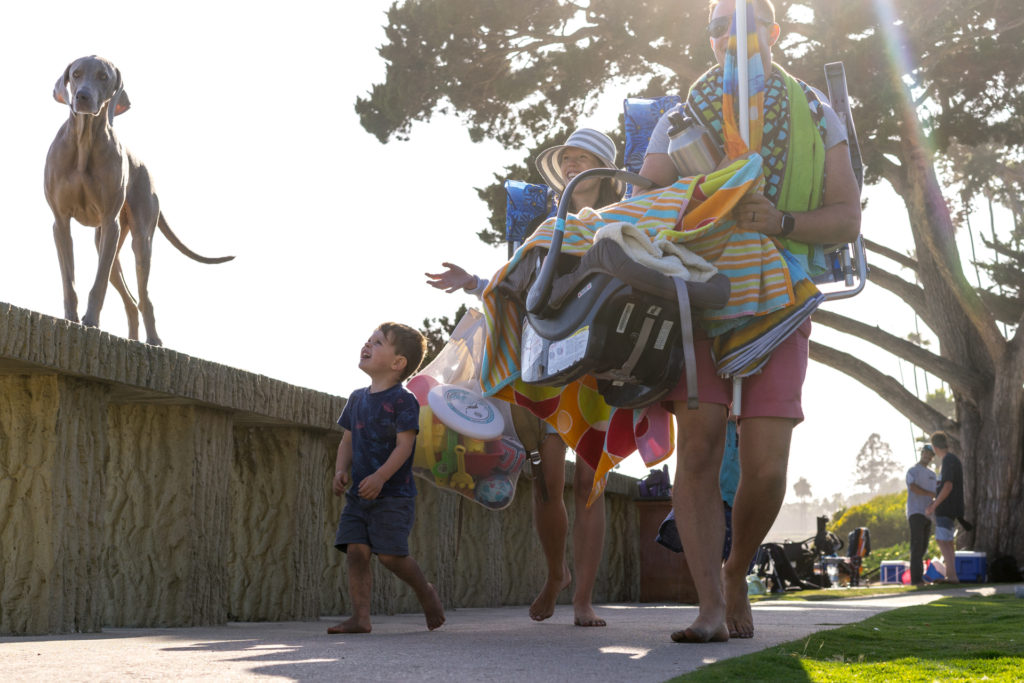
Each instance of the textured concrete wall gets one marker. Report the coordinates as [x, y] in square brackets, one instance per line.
[142, 487]
[167, 490]
[52, 442]
[278, 494]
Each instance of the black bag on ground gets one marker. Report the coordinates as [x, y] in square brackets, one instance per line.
[1004, 569]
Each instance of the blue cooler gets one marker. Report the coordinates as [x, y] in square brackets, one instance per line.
[971, 567]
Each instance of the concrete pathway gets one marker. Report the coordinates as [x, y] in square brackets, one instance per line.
[489, 644]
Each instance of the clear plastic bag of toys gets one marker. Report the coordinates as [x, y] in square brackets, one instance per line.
[466, 443]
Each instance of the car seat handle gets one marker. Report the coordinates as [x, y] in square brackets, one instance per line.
[540, 292]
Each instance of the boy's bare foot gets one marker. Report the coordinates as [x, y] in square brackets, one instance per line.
[585, 616]
[433, 609]
[544, 604]
[738, 617]
[350, 625]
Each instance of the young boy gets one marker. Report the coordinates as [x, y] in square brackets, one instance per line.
[375, 465]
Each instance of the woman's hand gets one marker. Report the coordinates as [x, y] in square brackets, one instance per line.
[451, 280]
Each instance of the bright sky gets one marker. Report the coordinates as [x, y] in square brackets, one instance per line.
[244, 114]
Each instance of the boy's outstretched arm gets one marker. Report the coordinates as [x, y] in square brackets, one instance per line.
[370, 487]
[343, 464]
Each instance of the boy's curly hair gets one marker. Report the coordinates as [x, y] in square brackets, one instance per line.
[408, 342]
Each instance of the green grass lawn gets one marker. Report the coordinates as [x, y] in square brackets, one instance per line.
[951, 639]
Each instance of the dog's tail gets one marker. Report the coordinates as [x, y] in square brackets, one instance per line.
[173, 239]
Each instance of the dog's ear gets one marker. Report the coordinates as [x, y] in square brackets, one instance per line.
[119, 103]
[60, 88]
[122, 104]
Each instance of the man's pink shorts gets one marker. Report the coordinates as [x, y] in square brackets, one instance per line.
[773, 392]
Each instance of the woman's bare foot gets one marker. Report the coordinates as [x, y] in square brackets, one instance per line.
[585, 616]
[433, 609]
[738, 617]
[350, 625]
[544, 604]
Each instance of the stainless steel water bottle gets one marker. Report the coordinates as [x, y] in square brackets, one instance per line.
[690, 146]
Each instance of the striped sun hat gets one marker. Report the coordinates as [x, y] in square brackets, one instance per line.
[593, 141]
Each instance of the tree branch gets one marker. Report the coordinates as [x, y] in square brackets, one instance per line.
[1006, 309]
[967, 384]
[891, 254]
[893, 173]
[913, 295]
[916, 410]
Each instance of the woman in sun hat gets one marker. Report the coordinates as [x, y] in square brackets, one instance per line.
[586, 148]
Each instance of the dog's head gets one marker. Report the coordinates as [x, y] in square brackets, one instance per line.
[90, 83]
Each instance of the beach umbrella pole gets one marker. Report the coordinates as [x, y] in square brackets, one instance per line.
[743, 101]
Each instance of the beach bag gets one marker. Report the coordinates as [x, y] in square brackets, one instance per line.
[1004, 569]
[466, 443]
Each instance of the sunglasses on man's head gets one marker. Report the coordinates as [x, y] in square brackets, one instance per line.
[719, 26]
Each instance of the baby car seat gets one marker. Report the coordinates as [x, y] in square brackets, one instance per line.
[608, 316]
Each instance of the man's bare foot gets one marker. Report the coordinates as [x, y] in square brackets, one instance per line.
[544, 604]
[708, 627]
[738, 617]
[585, 616]
[433, 609]
[350, 625]
[692, 635]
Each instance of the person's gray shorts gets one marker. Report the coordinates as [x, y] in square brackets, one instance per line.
[944, 528]
[384, 524]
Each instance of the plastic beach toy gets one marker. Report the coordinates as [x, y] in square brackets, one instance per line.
[466, 444]
[466, 412]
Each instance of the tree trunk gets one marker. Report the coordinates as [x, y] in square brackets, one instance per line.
[993, 444]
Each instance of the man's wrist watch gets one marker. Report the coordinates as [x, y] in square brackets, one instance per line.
[788, 223]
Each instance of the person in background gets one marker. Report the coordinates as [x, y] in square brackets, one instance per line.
[374, 464]
[771, 402]
[948, 505]
[585, 149]
[920, 492]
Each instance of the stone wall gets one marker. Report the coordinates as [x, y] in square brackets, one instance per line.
[140, 487]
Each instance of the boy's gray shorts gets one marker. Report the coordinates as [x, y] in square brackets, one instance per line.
[384, 524]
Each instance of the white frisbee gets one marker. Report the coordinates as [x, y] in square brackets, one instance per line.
[466, 412]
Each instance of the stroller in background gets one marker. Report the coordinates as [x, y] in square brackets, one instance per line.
[803, 565]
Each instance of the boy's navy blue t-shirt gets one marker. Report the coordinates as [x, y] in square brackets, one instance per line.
[374, 422]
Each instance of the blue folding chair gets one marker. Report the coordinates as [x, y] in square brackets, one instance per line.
[641, 116]
[527, 205]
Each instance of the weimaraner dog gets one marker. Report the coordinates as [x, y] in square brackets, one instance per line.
[92, 178]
